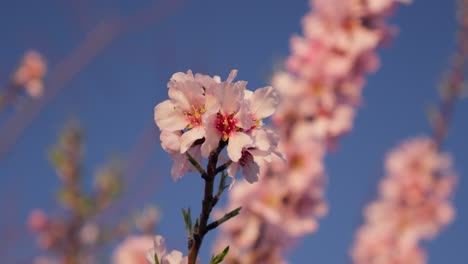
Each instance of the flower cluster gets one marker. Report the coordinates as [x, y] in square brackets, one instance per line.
[414, 205]
[203, 111]
[319, 94]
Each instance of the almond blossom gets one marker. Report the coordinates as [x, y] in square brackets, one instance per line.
[203, 112]
[319, 92]
[231, 120]
[170, 142]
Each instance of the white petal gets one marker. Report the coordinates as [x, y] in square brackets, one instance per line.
[179, 97]
[181, 77]
[187, 139]
[212, 135]
[231, 97]
[167, 117]
[186, 92]
[243, 118]
[262, 140]
[232, 76]
[237, 142]
[264, 102]
[159, 245]
[175, 257]
[170, 141]
[180, 166]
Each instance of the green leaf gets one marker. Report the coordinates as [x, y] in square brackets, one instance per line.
[188, 221]
[220, 257]
[222, 182]
[196, 226]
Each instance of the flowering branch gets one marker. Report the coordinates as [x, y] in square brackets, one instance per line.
[202, 118]
[321, 90]
[414, 203]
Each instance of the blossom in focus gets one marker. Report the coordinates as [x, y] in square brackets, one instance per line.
[230, 122]
[260, 151]
[203, 112]
[30, 74]
[170, 142]
[414, 205]
[132, 250]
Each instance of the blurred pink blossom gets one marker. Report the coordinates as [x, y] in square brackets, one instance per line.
[319, 93]
[132, 250]
[30, 73]
[37, 220]
[414, 205]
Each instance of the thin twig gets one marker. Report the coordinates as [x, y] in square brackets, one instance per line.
[223, 167]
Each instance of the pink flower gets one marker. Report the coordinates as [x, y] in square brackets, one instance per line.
[230, 121]
[184, 109]
[414, 205]
[171, 144]
[255, 155]
[30, 73]
[132, 250]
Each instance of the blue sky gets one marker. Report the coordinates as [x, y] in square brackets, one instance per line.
[113, 96]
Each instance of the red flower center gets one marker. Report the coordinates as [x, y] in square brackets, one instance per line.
[226, 125]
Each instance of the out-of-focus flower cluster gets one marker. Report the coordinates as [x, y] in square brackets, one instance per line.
[319, 94]
[30, 74]
[146, 249]
[159, 252]
[72, 236]
[203, 111]
[414, 204]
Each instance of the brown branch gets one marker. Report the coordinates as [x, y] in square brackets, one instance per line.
[207, 204]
